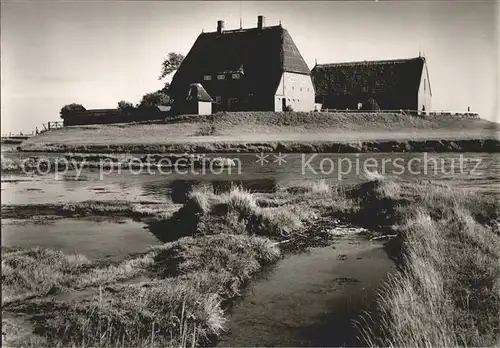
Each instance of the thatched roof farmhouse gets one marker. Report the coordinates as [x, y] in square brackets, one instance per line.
[392, 84]
[259, 68]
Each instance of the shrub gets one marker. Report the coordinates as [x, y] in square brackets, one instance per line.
[370, 104]
[69, 108]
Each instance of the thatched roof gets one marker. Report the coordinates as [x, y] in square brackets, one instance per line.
[262, 55]
[198, 93]
[378, 76]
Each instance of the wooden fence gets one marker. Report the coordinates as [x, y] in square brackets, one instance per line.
[52, 125]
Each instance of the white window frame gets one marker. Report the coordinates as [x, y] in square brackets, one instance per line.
[221, 77]
[235, 76]
[218, 99]
[207, 77]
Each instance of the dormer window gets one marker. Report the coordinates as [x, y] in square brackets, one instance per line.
[207, 77]
[221, 77]
[235, 76]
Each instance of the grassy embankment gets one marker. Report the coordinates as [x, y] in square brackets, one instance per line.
[284, 132]
[446, 292]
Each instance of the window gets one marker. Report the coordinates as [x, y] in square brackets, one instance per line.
[207, 77]
[221, 77]
[235, 76]
[301, 89]
[379, 86]
[357, 77]
[293, 88]
[218, 99]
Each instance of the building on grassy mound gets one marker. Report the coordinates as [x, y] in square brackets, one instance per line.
[386, 84]
[198, 100]
[256, 69]
[108, 116]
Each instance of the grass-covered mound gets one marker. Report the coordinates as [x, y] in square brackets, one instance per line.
[340, 120]
[235, 212]
[256, 131]
[179, 303]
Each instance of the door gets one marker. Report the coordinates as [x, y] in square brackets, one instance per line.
[232, 104]
[283, 104]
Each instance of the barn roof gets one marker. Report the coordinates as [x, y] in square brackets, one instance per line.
[261, 54]
[381, 74]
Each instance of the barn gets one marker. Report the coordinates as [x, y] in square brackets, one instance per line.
[255, 69]
[389, 84]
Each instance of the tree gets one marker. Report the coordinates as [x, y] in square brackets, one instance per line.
[165, 88]
[122, 105]
[155, 98]
[69, 108]
[170, 64]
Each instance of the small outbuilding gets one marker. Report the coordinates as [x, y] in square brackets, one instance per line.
[198, 100]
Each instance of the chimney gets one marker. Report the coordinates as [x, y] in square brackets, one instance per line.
[220, 27]
[261, 22]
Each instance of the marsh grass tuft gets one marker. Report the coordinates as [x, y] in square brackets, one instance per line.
[446, 292]
[38, 271]
[180, 306]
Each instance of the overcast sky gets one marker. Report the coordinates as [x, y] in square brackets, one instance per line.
[97, 53]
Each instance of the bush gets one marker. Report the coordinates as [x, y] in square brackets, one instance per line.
[370, 104]
[69, 108]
